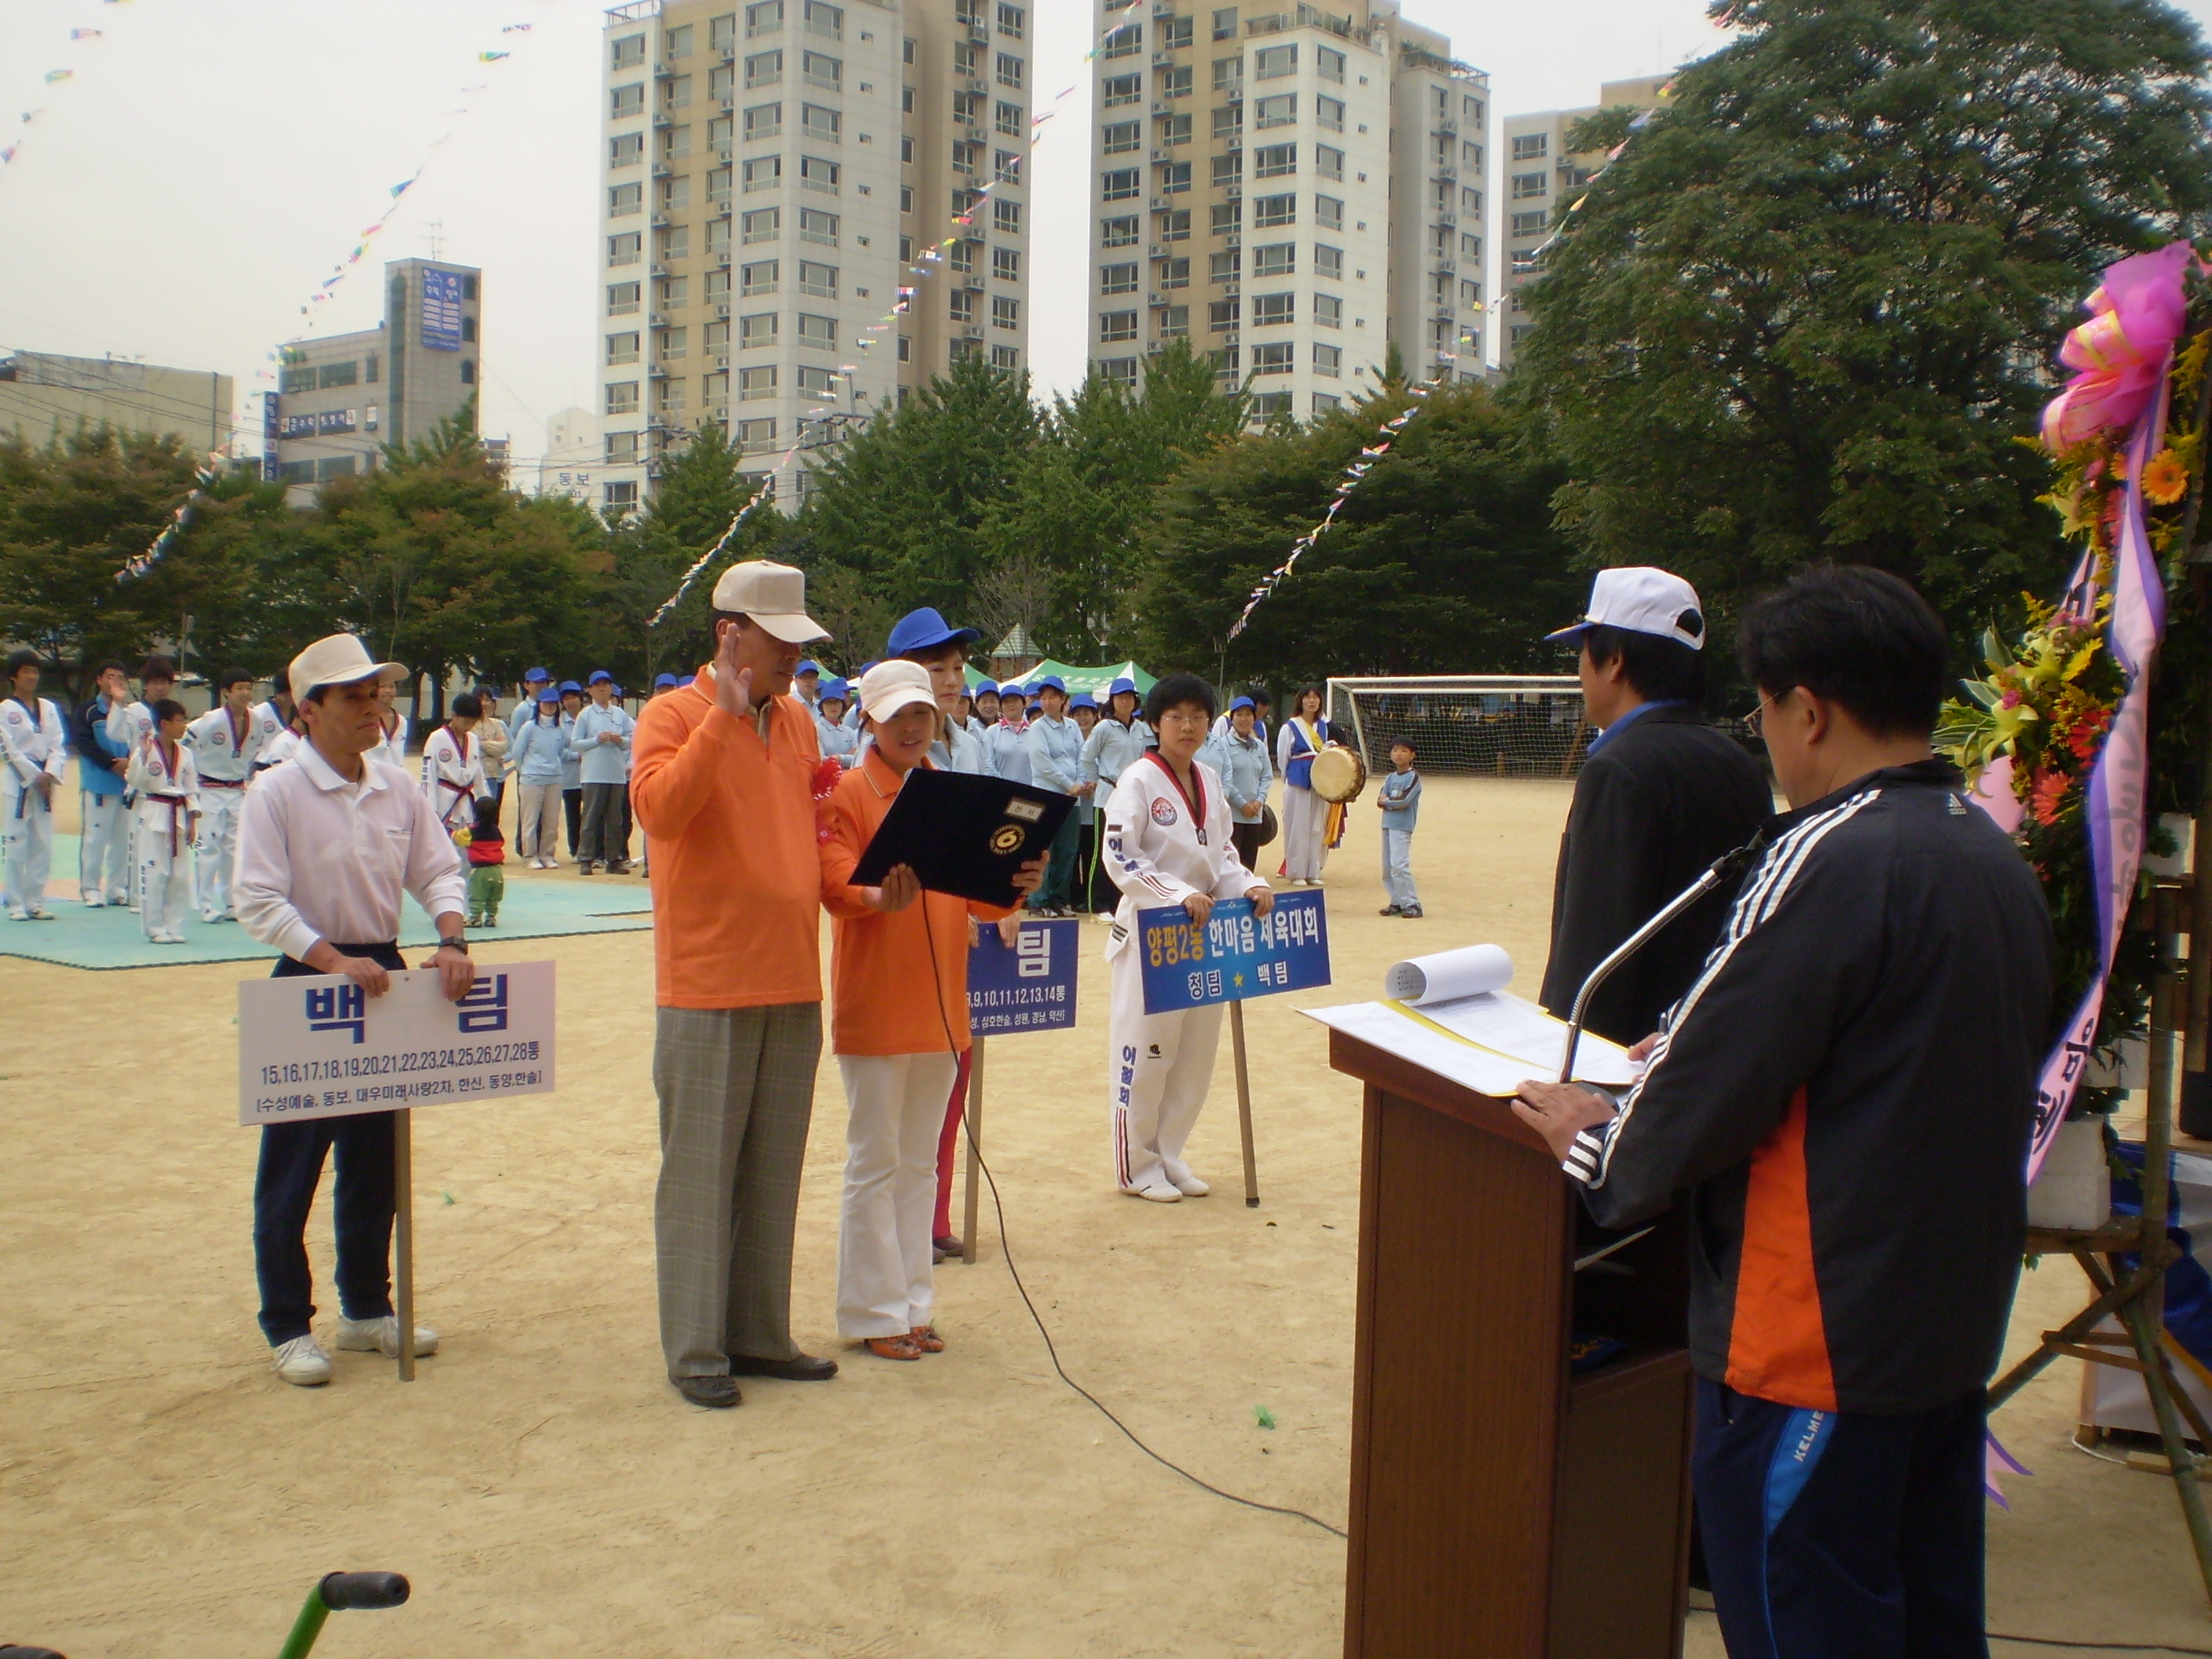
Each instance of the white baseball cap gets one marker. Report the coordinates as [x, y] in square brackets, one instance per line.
[890, 686]
[1642, 599]
[773, 595]
[339, 659]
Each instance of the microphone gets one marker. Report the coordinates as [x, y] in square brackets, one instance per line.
[1726, 867]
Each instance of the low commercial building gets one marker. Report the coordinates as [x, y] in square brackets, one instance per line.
[44, 394]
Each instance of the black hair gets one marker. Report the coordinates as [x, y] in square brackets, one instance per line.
[1406, 744]
[1298, 700]
[280, 682]
[1259, 696]
[1856, 636]
[158, 668]
[487, 816]
[1662, 670]
[468, 705]
[231, 677]
[115, 663]
[168, 709]
[1174, 692]
[19, 660]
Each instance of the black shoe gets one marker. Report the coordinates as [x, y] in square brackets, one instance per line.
[717, 1393]
[1392, 910]
[1411, 910]
[584, 867]
[799, 1368]
[619, 867]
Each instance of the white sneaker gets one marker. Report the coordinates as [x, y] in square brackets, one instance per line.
[1158, 1192]
[210, 917]
[1192, 1186]
[94, 902]
[14, 914]
[302, 1363]
[382, 1336]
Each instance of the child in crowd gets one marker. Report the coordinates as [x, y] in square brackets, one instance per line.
[1401, 801]
[168, 784]
[839, 741]
[486, 848]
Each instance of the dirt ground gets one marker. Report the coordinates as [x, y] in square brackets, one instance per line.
[161, 1493]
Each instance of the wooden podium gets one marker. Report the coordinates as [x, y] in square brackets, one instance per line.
[1503, 1506]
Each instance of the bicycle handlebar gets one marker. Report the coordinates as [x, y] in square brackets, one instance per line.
[342, 1591]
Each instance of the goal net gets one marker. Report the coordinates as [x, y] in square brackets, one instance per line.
[1511, 726]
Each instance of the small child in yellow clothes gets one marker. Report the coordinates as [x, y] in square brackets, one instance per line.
[485, 848]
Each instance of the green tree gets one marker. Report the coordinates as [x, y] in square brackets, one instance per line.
[1809, 310]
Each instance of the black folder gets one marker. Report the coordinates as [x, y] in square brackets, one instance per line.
[964, 835]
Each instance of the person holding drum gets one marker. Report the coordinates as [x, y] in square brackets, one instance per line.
[1314, 793]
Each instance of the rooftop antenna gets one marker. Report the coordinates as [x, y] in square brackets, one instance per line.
[437, 234]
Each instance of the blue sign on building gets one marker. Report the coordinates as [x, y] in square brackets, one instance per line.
[441, 310]
[1029, 986]
[270, 466]
[1234, 954]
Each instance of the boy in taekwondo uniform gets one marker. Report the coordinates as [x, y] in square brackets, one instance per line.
[1167, 842]
[224, 742]
[453, 765]
[165, 780]
[31, 756]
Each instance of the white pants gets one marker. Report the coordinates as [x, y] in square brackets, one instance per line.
[538, 821]
[165, 879]
[26, 846]
[216, 850]
[1305, 817]
[1160, 1067]
[104, 852]
[897, 1111]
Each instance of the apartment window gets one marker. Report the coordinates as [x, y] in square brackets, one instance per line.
[753, 436]
[1121, 370]
[1471, 111]
[1174, 225]
[1274, 160]
[820, 332]
[1123, 89]
[718, 131]
[1272, 63]
[1277, 211]
[817, 122]
[718, 187]
[625, 249]
[763, 121]
[1470, 293]
[1275, 260]
[626, 149]
[821, 382]
[1327, 311]
[758, 329]
[1228, 168]
[623, 200]
[760, 277]
[1122, 136]
[721, 84]
[1228, 122]
[1229, 76]
[1228, 217]
[819, 280]
[1279, 111]
[1006, 216]
[1119, 185]
[761, 225]
[629, 52]
[1224, 23]
[764, 68]
[714, 338]
[764, 172]
[906, 198]
[715, 390]
[621, 448]
[1268, 309]
[1008, 121]
[1470, 156]
[675, 293]
[624, 102]
[1328, 161]
[1324, 402]
[622, 348]
[1329, 212]
[1524, 263]
[816, 174]
[819, 70]
[905, 355]
[675, 343]
[1532, 147]
[1174, 177]
[622, 299]
[1531, 224]
[675, 192]
[1329, 359]
[1118, 232]
[1006, 263]
[1011, 19]
[368, 376]
[1470, 201]
[962, 308]
[1221, 315]
[1009, 70]
[718, 292]
[815, 226]
[1175, 34]
[1005, 311]
[1527, 184]
[1005, 357]
[1440, 333]
[1329, 113]
[1173, 323]
[1521, 331]
[1117, 279]
[1125, 41]
[1116, 325]
[1273, 357]
[1223, 267]
[1223, 360]
[1328, 63]
[1470, 246]
[825, 19]
[622, 497]
[1174, 273]
[1007, 166]
[1440, 194]
[680, 92]
[766, 18]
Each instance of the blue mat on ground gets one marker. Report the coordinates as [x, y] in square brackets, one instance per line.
[539, 904]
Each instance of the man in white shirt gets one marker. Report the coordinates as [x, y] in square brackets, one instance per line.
[326, 844]
[31, 757]
[225, 742]
[454, 766]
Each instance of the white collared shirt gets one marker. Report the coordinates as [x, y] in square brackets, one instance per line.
[320, 858]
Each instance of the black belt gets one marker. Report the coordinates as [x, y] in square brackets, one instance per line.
[222, 783]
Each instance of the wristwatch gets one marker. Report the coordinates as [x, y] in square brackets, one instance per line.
[458, 940]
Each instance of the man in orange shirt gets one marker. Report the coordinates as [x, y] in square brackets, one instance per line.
[723, 783]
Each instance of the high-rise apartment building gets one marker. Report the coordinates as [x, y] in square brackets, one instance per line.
[1289, 189]
[1541, 175]
[570, 465]
[43, 395]
[771, 171]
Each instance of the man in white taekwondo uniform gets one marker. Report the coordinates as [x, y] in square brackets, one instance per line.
[225, 743]
[453, 765]
[31, 757]
[1167, 842]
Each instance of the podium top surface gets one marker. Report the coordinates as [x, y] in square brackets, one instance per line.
[1359, 1057]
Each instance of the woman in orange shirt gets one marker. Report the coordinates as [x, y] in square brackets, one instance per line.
[898, 983]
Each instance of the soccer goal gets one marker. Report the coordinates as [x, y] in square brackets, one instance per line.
[1510, 725]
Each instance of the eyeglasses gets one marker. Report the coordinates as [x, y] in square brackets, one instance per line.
[1184, 716]
[1756, 719]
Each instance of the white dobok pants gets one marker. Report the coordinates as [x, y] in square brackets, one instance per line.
[215, 851]
[26, 846]
[165, 873]
[896, 1104]
[104, 853]
[1160, 1067]
[1305, 817]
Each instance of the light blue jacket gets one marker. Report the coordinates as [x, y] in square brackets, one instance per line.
[1056, 748]
[838, 741]
[1246, 772]
[1009, 751]
[538, 750]
[1111, 748]
[1401, 787]
[602, 762]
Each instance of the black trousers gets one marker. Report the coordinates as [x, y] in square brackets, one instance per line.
[1842, 1534]
[284, 1183]
[603, 824]
[1245, 837]
[572, 807]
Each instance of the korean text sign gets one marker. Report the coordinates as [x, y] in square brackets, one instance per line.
[1029, 986]
[1234, 954]
[318, 1047]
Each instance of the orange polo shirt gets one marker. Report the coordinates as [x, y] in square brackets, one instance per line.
[736, 877]
[886, 999]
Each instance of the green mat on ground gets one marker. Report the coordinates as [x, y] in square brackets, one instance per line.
[539, 904]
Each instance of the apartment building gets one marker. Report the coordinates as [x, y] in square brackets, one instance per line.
[570, 465]
[773, 173]
[1291, 191]
[44, 395]
[1542, 176]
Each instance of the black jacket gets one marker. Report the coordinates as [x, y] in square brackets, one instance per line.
[1847, 1093]
[1654, 807]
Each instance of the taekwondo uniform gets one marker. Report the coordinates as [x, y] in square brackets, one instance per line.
[268, 726]
[392, 751]
[452, 776]
[168, 784]
[1162, 847]
[279, 748]
[30, 744]
[103, 855]
[223, 751]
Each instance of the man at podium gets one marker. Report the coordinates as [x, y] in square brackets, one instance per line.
[1845, 1094]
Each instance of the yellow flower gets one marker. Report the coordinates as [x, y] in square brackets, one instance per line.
[2166, 478]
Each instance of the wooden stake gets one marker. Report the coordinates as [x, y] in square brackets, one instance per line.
[1244, 1104]
[974, 1138]
[403, 1238]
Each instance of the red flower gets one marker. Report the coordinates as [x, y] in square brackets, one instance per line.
[2048, 797]
[825, 785]
[2083, 736]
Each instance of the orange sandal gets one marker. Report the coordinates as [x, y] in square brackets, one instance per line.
[924, 1337]
[894, 1347]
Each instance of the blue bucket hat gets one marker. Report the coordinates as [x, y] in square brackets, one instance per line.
[925, 630]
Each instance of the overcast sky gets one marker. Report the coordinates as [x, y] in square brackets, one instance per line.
[209, 163]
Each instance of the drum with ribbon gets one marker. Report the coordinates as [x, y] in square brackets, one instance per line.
[1339, 774]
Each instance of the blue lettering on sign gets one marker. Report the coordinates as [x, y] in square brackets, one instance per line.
[484, 1008]
[337, 1008]
[1234, 954]
[1029, 986]
[442, 310]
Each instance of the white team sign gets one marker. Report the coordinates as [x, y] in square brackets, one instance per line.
[317, 1046]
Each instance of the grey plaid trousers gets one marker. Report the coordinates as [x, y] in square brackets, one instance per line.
[737, 1094]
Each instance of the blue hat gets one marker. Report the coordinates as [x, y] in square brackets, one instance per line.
[600, 675]
[570, 685]
[1083, 700]
[866, 666]
[530, 674]
[685, 681]
[548, 694]
[662, 682]
[1242, 702]
[1054, 681]
[1125, 684]
[807, 665]
[835, 689]
[925, 630]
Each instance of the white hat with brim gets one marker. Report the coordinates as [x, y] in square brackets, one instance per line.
[773, 595]
[890, 686]
[340, 659]
[1644, 600]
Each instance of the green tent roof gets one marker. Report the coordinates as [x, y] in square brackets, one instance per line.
[1093, 680]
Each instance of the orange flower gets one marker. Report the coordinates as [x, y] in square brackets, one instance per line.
[2048, 797]
[2164, 479]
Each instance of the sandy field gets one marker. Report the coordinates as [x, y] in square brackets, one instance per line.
[161, 1493]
